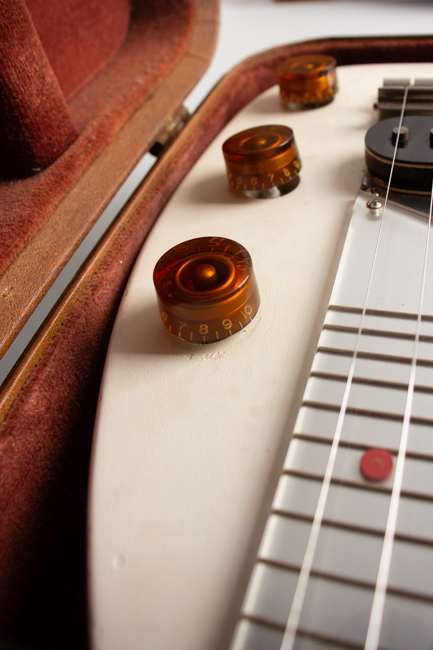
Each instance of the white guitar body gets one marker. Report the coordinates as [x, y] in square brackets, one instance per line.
[190, 439]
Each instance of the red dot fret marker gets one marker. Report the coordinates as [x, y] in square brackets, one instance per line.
[376, 465]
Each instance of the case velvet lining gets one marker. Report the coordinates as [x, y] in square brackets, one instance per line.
[74, 132]
[79, 36]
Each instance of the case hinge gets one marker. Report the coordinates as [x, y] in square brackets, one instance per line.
[172, 127]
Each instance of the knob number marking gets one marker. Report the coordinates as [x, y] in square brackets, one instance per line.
[248, 311]
[262, 158]
[196, 309]
[203, 329]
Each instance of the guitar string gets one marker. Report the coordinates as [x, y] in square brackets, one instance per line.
[378, 606]
[307, 563]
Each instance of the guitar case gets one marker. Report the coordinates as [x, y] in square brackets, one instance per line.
[80, 104]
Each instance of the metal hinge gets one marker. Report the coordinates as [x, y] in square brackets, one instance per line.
[172, 127]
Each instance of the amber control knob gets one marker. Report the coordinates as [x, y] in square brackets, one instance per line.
[308, 81]
[263, 162]
[206, 289]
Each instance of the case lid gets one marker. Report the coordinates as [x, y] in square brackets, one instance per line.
[86, 89]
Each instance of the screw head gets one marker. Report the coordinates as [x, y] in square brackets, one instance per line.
[374, 204]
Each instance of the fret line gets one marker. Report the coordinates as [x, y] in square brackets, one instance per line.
[275, 625]
[333, 642]
[416, 455]
[381, 312]
[351, 582]
[421, 496]
[380, 383]
[355, 528]
[415, 419]
[374, 356]
[368, 331]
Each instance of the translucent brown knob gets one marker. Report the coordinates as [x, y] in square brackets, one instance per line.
[262, 162]
[308, 81]
[206, 289]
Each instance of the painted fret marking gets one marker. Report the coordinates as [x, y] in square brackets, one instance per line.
[364, 530]
[368, 331]
[331, 641]
[357, 445]
[367, 413]
[352, 582]
[381, 312]
[380, 383]
[357, 484]
[374, 356]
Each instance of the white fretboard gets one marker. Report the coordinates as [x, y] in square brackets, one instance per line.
[342, 580]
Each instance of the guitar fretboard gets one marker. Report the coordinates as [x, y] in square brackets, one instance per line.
[339, 595]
